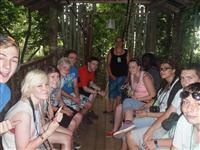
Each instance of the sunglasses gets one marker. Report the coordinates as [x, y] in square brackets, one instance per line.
[195, 95]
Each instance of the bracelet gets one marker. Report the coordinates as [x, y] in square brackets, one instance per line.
[41, 136]
[156, 143]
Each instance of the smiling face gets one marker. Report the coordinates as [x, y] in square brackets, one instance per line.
[9, 58]
[119, 42]
[191, 110]
[188, 77]
[54, 79]
[64, 69]
[40, 91]
[72, 58]
[166, 71]
[92, 66]
[133, 68]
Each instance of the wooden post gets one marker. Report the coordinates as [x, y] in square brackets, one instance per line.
[176, 35]
[53, 29]
[150, 43]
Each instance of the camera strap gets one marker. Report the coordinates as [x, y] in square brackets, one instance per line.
[34, 119]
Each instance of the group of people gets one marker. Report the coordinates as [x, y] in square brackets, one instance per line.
[161, 109]
[54, 100]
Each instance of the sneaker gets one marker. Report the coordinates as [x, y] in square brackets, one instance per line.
[109, 133]
[77, 146]
[126, 127]
[93, 115]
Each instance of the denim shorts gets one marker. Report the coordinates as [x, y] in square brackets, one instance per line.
[114, 87]
[132, 104]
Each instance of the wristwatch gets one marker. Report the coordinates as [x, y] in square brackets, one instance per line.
[156, 143]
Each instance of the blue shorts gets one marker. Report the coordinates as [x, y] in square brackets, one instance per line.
[132, 104]
[114, 87]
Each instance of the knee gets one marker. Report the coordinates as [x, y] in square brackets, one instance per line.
[88, 105]
[129, 138]
[78, 117]
[119, 108]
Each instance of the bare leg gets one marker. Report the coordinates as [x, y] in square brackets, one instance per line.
[87, 106]
[109, 105]
[116, 102]
[129, 114]
[124, 145]
[118, 118]
[61, 138]
[130, 141]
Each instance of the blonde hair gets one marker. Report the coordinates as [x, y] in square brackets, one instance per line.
[64, 60]
[33, 78]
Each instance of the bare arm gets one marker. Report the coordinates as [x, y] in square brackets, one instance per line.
[157, 124]
[108, 66]
[150, 145]
[73, 98]
[76, 91]
[23, 133]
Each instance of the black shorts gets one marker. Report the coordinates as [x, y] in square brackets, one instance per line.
[67, 119]
[81, 91]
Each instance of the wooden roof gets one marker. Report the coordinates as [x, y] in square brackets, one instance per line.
[170, 5]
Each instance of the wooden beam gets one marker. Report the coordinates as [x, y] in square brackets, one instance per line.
[172, 8]
[106, 1]
[156, 3]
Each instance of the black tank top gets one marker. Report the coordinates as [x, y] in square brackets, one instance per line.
[118, 65]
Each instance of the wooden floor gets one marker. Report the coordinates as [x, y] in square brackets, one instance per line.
[92, 137]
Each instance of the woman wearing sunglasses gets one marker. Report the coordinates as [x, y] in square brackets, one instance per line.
[187, 134]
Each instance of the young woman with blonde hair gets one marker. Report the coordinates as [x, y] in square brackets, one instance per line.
[31, 132]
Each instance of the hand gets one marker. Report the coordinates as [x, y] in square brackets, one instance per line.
[58, 116]
[149, 145]
[76, 100]
[113, 77]
[143, 107]
[102, 93]
[148, 136]
[7, 125]
[68, 111]
[141, 113]
[51, 128]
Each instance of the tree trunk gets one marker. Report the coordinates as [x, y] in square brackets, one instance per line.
[150, 44]
[28, 33]
[176, 43]
[53, 29]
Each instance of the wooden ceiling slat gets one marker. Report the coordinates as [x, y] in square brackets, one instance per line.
[173, 5]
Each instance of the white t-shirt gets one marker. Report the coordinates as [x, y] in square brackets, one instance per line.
[184, 136]
[8, 139]
[176, 103]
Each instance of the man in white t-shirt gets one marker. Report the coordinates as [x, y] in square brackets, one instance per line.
[151, 138]
[189, 122]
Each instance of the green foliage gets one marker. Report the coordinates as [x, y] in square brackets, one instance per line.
[14, 22]
[103, 38]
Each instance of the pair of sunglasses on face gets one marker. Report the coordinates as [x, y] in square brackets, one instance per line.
[195, 95]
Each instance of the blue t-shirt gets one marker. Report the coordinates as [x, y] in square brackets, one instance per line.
[5, 95]
[68, 84]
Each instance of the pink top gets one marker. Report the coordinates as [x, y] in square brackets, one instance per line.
[139, 89]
